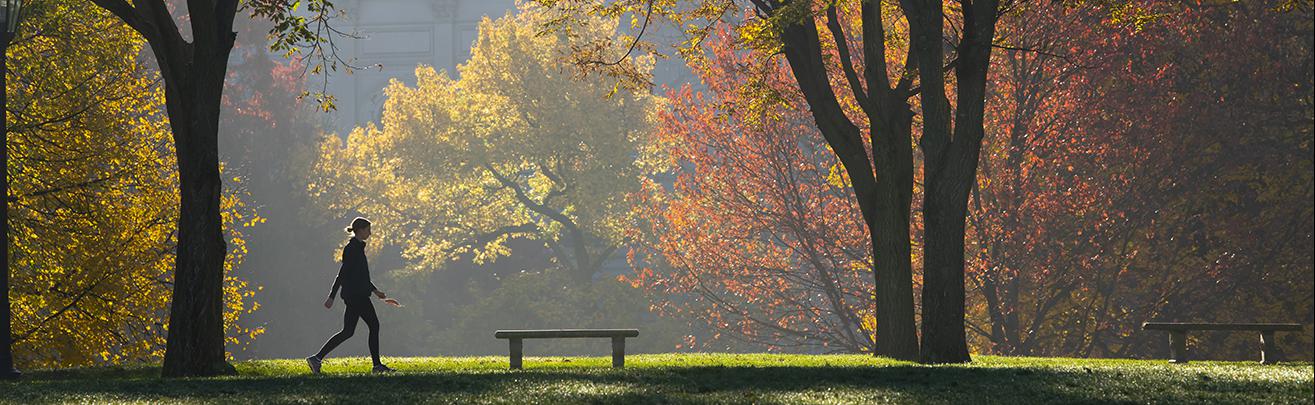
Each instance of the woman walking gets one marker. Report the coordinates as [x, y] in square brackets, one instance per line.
[354, 280]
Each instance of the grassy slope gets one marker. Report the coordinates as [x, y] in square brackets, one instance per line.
[759, 378]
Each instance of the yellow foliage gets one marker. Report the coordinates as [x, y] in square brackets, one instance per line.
[520, 146]
[93, 195]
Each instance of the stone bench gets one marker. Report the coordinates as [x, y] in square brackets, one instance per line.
[1178, 336]
[514, 338]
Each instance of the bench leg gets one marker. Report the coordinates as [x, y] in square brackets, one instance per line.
[618, 352]
[1178, 346]
[1268, 348]
[514, 347]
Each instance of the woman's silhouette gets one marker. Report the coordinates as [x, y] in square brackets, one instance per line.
[354, 280]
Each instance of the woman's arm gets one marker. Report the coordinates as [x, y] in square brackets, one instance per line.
[337, 280]
[337, 283]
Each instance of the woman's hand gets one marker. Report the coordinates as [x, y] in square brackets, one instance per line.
[328, 303]
[380, 294]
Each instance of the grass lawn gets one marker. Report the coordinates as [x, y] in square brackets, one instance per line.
[717, 378]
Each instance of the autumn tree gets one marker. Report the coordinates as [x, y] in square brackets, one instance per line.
[746, 223]
[93, 207]
[515, 148]
[193, 62]
[815, 35]
[1218, 237]
[1038, 220]
[1101, 213]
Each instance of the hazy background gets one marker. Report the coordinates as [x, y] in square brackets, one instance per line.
[1188, 243]
[293, 257]
[1160, 168]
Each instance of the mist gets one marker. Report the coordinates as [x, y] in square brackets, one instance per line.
[524, 279]
[1131, 170]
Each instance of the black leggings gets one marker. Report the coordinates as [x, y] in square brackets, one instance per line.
[356, 308]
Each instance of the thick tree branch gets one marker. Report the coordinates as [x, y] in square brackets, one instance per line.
[125, 12]
[874, 50]
[160, 30]
[527, 201]
[846, 64]
[481, 239]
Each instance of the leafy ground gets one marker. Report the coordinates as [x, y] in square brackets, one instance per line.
[719, 378]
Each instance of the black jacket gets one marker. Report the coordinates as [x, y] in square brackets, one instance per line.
[354, 276]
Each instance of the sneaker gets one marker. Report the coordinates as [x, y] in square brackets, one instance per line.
[314, 363]
[380, 368]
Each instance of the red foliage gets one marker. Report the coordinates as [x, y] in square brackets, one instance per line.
[751, 236]
[1134, 170]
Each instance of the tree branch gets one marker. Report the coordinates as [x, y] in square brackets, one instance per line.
[846, 64]
[874, 50]
[530, 203]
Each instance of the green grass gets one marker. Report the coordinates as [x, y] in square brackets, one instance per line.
[665, 378]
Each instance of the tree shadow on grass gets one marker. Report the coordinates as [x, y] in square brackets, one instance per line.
[896, 383]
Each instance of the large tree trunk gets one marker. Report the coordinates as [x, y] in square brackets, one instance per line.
[194, 83]
[891, 247]
[951, 169]
[883, 197]
[196, 317]
[943, 339]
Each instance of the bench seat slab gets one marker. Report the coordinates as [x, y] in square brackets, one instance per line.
[565, 333]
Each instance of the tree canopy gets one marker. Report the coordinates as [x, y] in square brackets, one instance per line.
[517, 147]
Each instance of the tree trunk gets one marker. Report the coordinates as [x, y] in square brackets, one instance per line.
[195, 344]
[883, 197]
[196, 318]
[7, 370]
[943, 339]
[891, 247]
[951, 168]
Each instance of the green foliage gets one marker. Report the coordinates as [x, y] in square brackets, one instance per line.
[691, 378]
